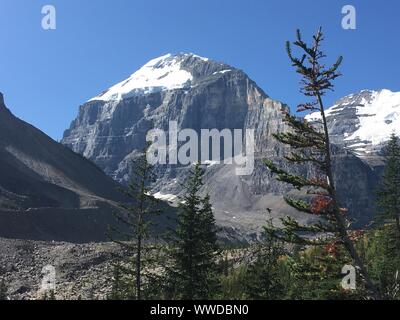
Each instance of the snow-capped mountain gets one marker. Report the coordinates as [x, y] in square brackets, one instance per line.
[364, 121]
[200, 93]
[160, 74]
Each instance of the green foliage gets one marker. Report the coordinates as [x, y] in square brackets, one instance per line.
[120, 288]
[389, 191]
[315, 274]
[265, 273]
[49, 295]
[310, 143]
[233, 284]
[381, 246]
[3, 290]
[194, 249]
[381, 250]
[136, 218]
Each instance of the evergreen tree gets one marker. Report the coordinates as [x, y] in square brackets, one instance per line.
[316, 274]
[137, 219]
[118, 290]
[264, 279]
[311, 146]
[382, 247]
[193, 273]
[49, 295]
[3, 290]
[381, 250]
[389, 192]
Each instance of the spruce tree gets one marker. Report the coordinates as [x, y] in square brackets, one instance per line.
[383, 243]
[310, 145]
[193, 272]
[380, 247]
[265, 273]
[3, 290]
[136, 218]
[389, 192]
[118, 290]
[316, 274]
[49, 295]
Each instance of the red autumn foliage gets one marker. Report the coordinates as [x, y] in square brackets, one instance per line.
[321, 204]
[356, 235]
[332, 249]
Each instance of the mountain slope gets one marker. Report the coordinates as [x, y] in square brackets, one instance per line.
[43, 173]
[48, 192]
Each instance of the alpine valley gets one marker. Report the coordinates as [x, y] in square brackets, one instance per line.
[57, 199]
[199, 93]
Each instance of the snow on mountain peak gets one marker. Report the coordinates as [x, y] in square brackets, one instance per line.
[159, 74]
[377, 115]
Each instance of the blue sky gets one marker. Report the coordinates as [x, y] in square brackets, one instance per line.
[46, 75]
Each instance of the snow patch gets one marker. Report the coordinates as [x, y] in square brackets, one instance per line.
[160, 74]
[199, 57]
[211, 163]
[222, 71]
[165, 197]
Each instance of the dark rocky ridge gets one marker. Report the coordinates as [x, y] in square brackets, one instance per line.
[48, 192]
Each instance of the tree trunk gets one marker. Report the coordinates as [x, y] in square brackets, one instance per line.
[339, 219]
[138, 268]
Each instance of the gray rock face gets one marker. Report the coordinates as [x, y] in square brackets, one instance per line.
[111, 132]
[363, 122]
[220, 97]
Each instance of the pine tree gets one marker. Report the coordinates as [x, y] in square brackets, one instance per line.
[49, 295]
[118, 290]
[3, 290]
[380, 247]
[137, 218]
[310, 145]
[383, 247]
[264, 279]
[389, 192]
[193, 273]
[316, 274]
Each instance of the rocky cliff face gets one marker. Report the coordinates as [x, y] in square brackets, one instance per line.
[202, 94]
[363, 122]
[111, 127]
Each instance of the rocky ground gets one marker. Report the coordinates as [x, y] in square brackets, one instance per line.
[83, 271]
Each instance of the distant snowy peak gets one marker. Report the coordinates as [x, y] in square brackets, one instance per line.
[364, 121]
[160, 74]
